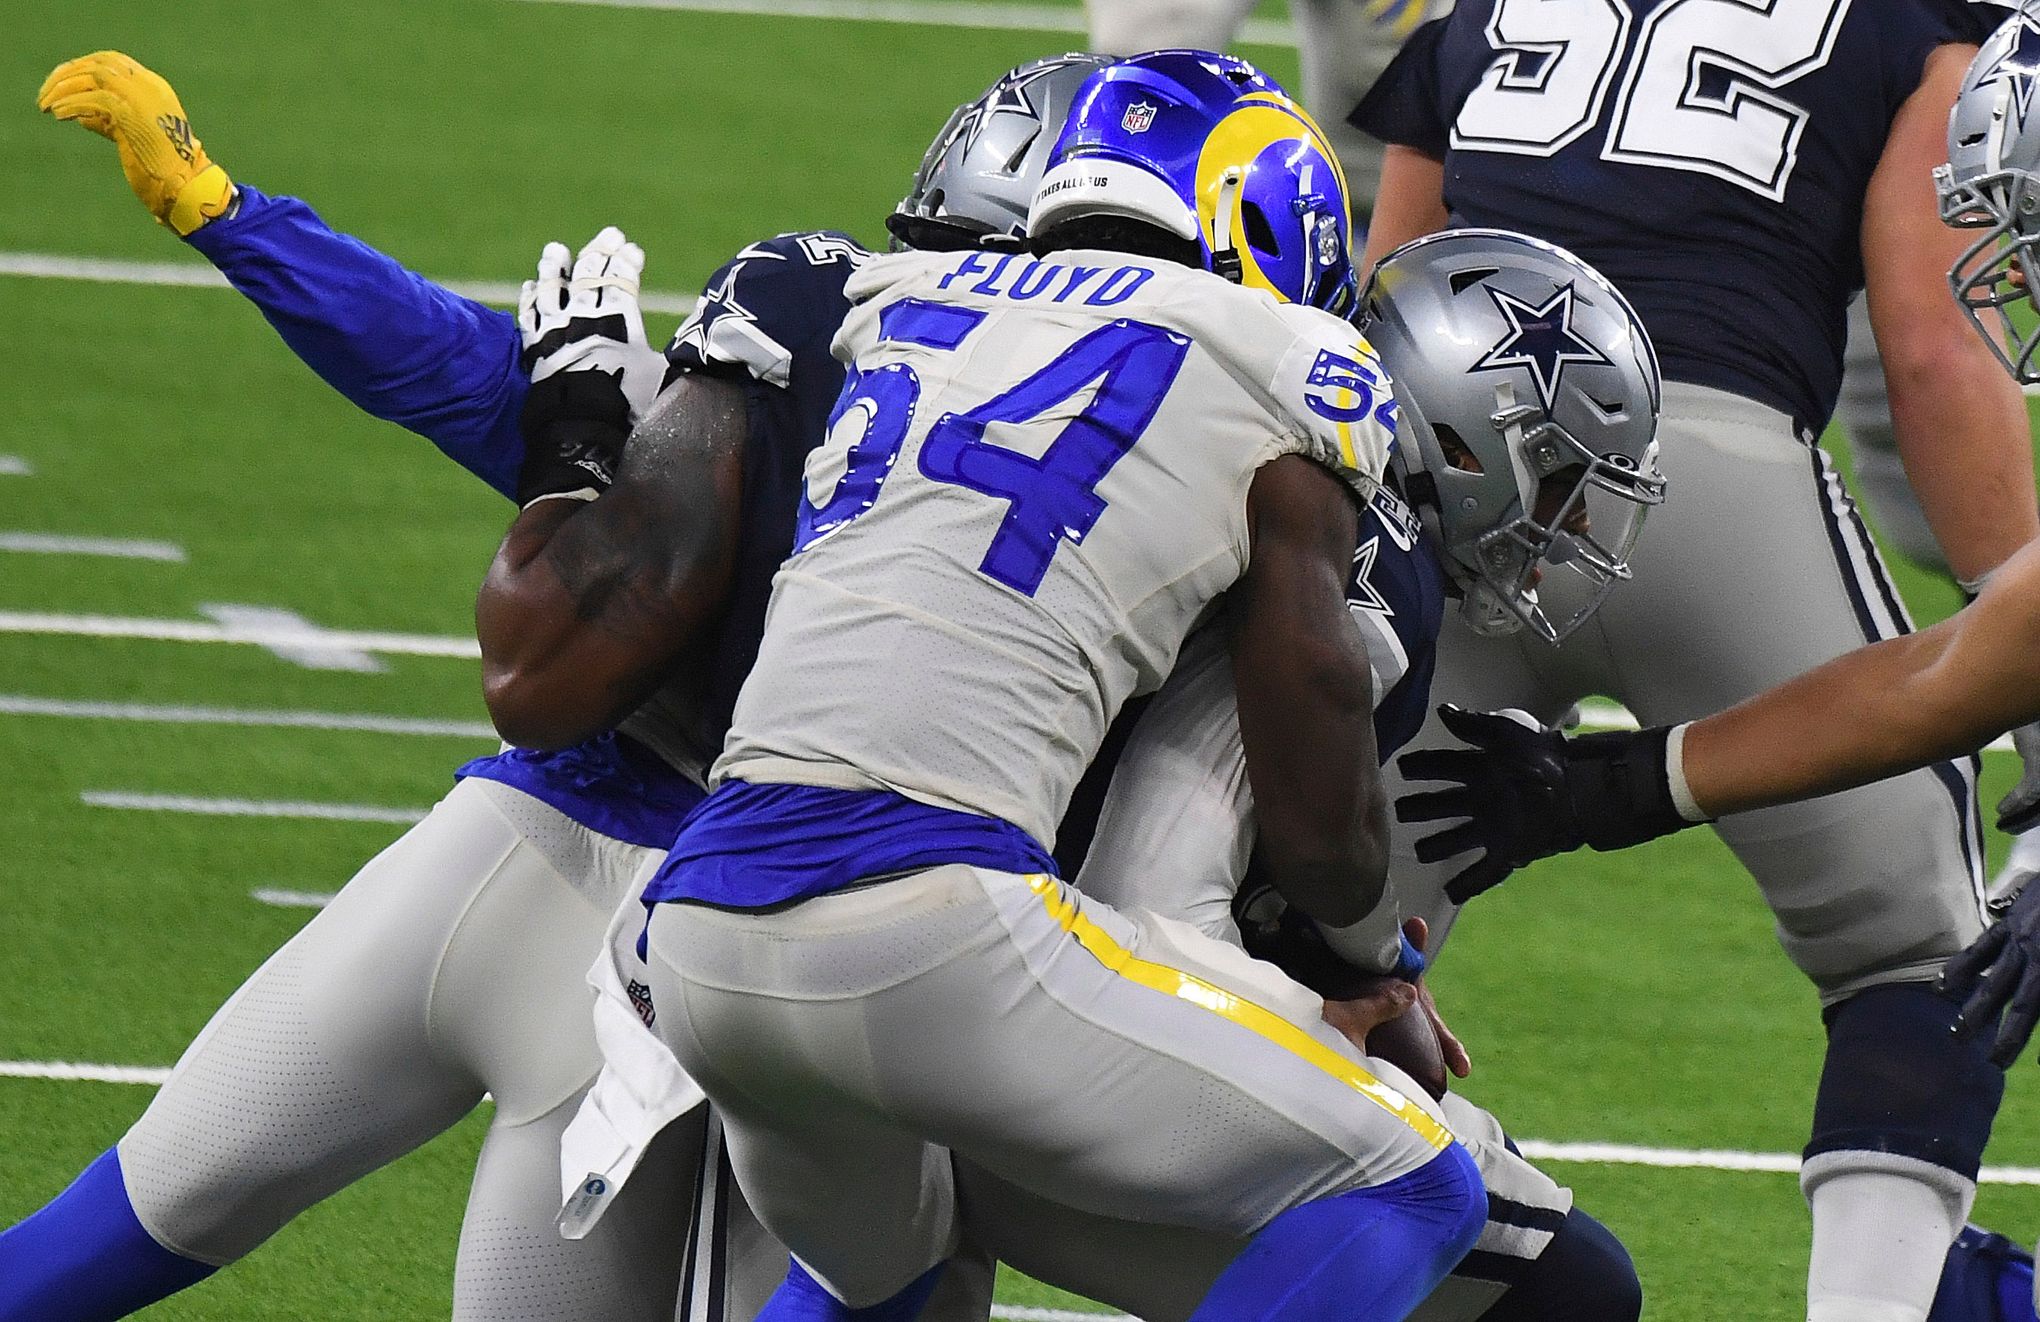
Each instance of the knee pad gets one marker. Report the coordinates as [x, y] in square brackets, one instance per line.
[1583, 1275]
[1987, 1279]
[1897, 1081]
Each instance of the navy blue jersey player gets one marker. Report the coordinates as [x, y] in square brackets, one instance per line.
[1740, 172]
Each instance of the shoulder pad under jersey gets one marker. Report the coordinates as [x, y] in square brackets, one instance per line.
[1335, 389]
[769, 305]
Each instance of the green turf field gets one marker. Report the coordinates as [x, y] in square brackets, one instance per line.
[1636, 999]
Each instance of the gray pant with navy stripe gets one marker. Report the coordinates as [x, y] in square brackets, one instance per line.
[1757, 568]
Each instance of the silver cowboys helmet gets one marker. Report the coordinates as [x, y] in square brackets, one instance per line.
[1992, 183]
[981, 170]
[1527, 393]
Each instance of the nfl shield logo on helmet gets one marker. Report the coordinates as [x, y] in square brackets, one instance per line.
[1139, 117]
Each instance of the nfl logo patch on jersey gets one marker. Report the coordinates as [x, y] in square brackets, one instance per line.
[1139, 117]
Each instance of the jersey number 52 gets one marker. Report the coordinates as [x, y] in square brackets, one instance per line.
[1048, 500]
[1698, 90]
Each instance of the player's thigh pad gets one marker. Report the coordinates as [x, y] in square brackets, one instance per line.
[509, 998]
[1162, 1272]
[331, 1060]
[1123, 1065]
[1757, 569]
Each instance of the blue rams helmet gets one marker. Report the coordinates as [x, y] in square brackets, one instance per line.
[1209, 149]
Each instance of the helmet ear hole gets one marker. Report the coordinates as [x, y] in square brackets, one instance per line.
[1018, 158]
[1456, 451]
[1260, 234]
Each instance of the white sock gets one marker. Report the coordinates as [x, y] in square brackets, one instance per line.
[1882, 1225]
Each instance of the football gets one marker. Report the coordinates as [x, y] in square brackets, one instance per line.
[1410, 1043]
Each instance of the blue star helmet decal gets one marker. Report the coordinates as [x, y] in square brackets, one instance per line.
[1010, 94]
[2018, 65]
[1540, 338]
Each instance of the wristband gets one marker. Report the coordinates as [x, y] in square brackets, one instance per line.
[204, 198]
[1675, 776]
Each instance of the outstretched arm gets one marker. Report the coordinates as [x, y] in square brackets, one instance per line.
[397, 345]
[1306, 697]
[588, 604]
[1882, 710]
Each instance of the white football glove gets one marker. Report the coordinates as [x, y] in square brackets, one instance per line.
[589, 319]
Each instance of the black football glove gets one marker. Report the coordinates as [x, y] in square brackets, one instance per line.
[1528, 793]
[2001, 972]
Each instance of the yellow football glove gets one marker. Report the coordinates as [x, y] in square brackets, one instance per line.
[163, 159]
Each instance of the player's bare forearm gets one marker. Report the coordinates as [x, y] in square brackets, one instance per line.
[1881, 710]
[1409, 205]
[588, 606]
[1959, 419]
[1305, 697]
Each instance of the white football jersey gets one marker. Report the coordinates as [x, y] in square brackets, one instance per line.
[1034, 487]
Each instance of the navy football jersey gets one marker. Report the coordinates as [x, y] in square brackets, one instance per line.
[765, 319]
[1397, 596]
[1710, 157]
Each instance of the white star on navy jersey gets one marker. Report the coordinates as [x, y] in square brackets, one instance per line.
[716, 303]
[1541, 339]
[1361, 594]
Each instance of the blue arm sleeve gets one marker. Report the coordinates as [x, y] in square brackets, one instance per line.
[395, 344]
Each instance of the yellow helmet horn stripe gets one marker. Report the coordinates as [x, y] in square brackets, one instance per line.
[1258, 121]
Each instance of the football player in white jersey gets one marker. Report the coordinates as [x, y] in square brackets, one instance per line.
[1042, 474]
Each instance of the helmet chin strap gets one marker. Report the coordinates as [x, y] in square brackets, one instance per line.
[1225, 255]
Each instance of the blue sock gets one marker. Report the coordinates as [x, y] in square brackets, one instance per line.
[802, 1298]
[86, 1258]
[1368, 1253]
[1987, 1278]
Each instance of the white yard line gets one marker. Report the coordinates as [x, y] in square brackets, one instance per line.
[278, 899]
[190, 275]
[923, 13]
[201, 631]
[1022, 1313]
[309, 647]
[65, 1071]
[13, 465]
[210, 807]
[1599, 1154]
[114, 548]
[22, 704]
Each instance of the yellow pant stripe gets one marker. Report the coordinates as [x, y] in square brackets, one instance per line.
[1209, 996]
